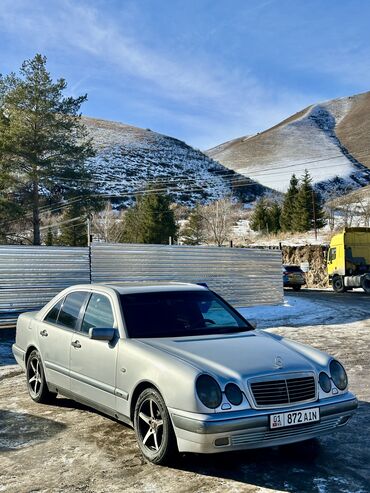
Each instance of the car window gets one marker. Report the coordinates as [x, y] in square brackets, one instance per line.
[213, 313]
[292, 268]
[98, 313]
[332, 253]
[179, 313]
[68, 315]
[52, 315]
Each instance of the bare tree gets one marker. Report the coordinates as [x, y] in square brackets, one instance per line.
[107, 224]
[219, 217]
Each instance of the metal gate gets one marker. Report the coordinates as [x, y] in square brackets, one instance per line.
[31, 275]
[243, 276]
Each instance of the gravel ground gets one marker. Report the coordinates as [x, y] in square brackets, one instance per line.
[70, 448]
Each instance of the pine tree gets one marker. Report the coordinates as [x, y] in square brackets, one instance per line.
[194, 231]
[260, 220]
[49, 237]
[289, 211]
[151, 220]
[304, 210]
[274, 213]
[73, 231]
[43, 143]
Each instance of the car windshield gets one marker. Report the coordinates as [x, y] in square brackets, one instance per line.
[292, 268]
[178, 314]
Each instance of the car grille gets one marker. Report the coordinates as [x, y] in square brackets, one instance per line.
[285, 391]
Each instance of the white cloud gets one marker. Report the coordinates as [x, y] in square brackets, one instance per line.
[214, 104]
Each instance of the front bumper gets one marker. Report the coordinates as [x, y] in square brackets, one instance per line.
[221, 432]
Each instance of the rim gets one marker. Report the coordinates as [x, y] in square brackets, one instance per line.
[34, 376]
[150, 425]
[338, 283]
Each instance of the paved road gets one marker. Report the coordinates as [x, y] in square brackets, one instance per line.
[355, 300]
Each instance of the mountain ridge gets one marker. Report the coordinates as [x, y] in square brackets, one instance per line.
[128, 157]
[328, 138]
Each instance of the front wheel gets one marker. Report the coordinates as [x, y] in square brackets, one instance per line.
[338, 284]
[153, 427]
[36, 382]
[296, 287]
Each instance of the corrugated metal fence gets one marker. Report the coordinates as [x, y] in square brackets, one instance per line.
[242, 276]
[31, 275]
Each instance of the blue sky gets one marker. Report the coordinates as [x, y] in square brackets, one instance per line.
[200, 70]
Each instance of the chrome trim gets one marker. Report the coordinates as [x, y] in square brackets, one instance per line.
[94, 383]
[60, 369]
[282, 376]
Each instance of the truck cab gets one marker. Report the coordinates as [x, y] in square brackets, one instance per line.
[348, 260]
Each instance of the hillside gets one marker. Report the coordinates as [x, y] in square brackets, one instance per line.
[330, 139]
[128, 157]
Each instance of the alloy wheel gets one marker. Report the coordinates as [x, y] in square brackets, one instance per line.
[34, 376]
[150, 425]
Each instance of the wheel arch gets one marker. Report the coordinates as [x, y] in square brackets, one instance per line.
[29, 350]
[140, 387]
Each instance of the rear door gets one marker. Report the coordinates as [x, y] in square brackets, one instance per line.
[55, 337]
[93, 362]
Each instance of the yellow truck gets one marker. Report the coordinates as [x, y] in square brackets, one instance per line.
[348, 260]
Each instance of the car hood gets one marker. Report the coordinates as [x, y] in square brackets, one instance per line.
[236, 356]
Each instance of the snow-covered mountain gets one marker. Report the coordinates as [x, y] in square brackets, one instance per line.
[128, 158]
[330, 139]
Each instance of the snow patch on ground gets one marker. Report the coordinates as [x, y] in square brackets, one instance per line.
[294, 311]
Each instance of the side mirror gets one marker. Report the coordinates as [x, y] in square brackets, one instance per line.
[101, 334]
[253, 324]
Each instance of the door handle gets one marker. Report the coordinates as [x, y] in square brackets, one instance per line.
[76, 344]
[44, 333]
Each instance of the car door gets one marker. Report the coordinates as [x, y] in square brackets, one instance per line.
[55, 337]
[93, 362]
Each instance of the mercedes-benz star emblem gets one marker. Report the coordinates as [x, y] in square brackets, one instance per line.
[279, 363]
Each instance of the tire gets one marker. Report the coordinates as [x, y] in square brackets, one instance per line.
[365, 284]
[153, 428]
[338, 284]
[297, 287]
[36, 382]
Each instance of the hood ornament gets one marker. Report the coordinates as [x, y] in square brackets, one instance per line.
[279, 363]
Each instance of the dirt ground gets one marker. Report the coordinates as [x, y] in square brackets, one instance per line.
[71, 448]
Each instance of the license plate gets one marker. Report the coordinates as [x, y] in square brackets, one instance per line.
[292, 418]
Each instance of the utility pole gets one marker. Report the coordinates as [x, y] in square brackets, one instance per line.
[314, 213]
[88, 224]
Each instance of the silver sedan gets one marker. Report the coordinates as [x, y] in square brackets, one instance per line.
[181, 366]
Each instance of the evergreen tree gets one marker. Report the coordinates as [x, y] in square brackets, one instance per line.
[274, 213]
[43, 144]
[151, 220]
[194, 231]
[289, 209]
[309, 206]
[73, 231]
[260, 220]
[49, 237]
[304, 209]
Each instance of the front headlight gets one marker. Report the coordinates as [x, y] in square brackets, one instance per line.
[208, 391]
[234, 394]
[338, 374]
[324, 382]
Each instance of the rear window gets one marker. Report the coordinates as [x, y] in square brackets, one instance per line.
[292, 268]
[68, 315]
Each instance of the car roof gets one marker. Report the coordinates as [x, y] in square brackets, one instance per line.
[149, 286]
